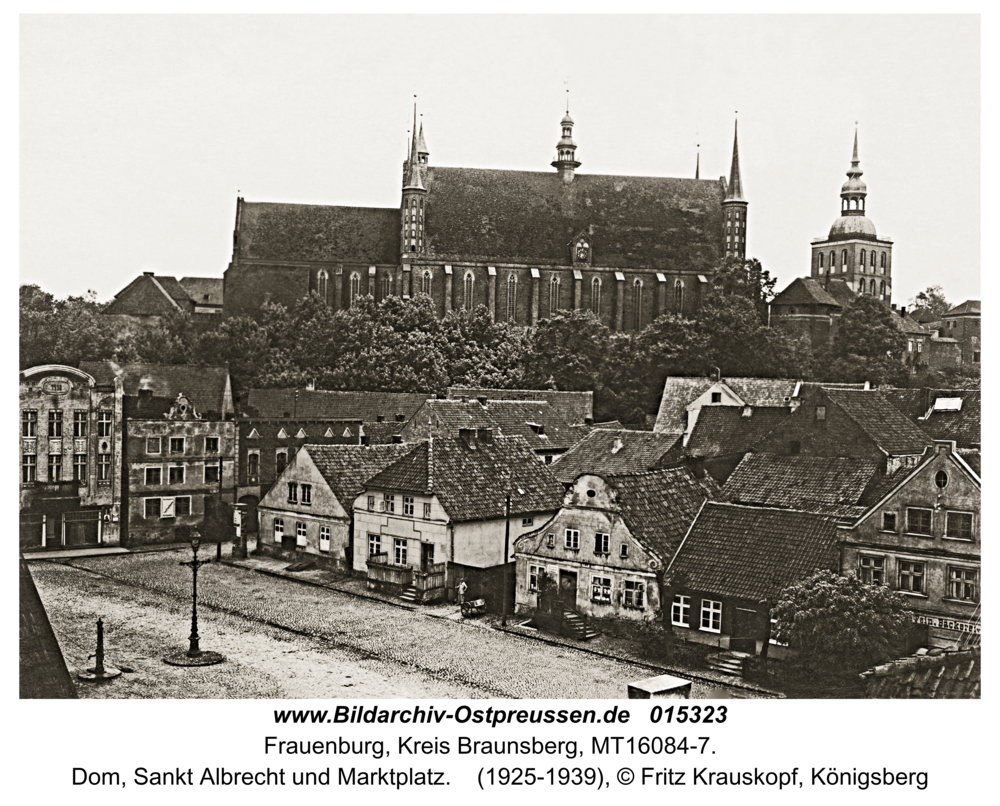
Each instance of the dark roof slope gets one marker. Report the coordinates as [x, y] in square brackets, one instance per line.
[881, 421]
[659, 506]
[329, 405]
[206, 387]
[752, 552]
[725, 430]
[312, 232]
[574, 407]
[811, 483]
[971, 307]
[912, 403]
[203, 290]
[805, 291]
[147, 295]
[347, 468]
[952, 675]
[605, 451]
[472, 479]
[531, 216]
[963, 426]
[677, 394]
[841, 292]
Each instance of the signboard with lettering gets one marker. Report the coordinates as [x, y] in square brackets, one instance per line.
[948, 624]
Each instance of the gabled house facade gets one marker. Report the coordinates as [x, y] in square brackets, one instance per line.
[451, 509]
[605, 550]
[922, 536]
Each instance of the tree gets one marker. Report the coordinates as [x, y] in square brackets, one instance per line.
[869, 346]
[840, 623]
[747, 279]
[567, 351]
[930, 301]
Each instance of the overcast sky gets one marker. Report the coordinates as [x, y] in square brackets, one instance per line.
[137, 132]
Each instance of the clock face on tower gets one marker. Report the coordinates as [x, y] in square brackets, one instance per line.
[582, 250]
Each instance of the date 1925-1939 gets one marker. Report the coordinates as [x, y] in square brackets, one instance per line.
[530, 776]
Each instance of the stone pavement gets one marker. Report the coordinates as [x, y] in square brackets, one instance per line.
[454, 657]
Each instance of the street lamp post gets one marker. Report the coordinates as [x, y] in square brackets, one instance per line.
[194, 656]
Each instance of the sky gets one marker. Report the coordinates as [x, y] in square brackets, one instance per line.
[137, 133]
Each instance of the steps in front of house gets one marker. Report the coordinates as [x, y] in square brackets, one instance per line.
[580, 629]
[409, 595]
[730, 663]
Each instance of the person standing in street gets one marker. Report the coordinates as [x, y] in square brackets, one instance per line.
[462, 588]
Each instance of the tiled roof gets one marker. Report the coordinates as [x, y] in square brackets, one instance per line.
[658, 506]
[881, 421]
[603, 451]
[147, 295]
[311, 232]
[951, 675]
[472, 479]
[347, 468]
[382, 433]
[963, 426]
[912, 403]
[206, 387]
[881, 485]
[810, 386]
[805, 291]
[573, 407]
[763, 391]
[203, 290]
[677, 394]
[330, 405]
[532, 216]
[973, 459]
[725, 430]
[971, 307]
[824, 484]
[908, 325]
[752, 552]
[841, 292]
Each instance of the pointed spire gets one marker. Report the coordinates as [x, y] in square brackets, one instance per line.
[697, 163]
[421, 143]
[413, 164]
[735, 191]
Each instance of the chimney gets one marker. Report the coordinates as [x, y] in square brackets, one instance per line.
[400, 418]
[902, 310]
[380, 418]
[397, 439]
[588, 420]
[147, 274]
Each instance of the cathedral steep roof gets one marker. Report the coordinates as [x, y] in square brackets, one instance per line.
[314, 232]
[529, 216]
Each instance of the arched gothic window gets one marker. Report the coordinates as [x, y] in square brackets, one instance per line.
[881, 290]
[468, 297]
[553, 295]
[861, 286]
[425, 283]
[321, 283]
[386, 285]
[355, 288]
[871, 288]
[595, 295]
[679, 294]
[883, 260]
[854, 204]
[862, 260]
[637, 304]
[821, 260]
[843, 258]
[511, 298]
[873, 261]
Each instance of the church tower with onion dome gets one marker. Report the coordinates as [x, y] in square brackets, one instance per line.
[852, 252]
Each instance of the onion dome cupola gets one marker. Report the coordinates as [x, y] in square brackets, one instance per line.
[734, 207]
[414, 194]
[565, 161]
[853, 223]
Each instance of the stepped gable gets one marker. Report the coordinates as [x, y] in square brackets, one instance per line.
[307, 404]
[819, 484]
[347, 468]
[613, 451]
[318, 233]
[573, 407]
[951, 675]
[206, 387]
[634, 222]
[726, 430]
[880, 420]
[752, 552]
[658, 506]
[472, 477]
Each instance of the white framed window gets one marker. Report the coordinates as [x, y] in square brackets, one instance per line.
[624, 551]
[600, 589]
[602, 543]
[29, 423]
[168, 507]
[408, 505]
[55, 467]
[153, 446]
[29, 468]
[958, 525]
[279, 529]
[177, 444]
[211, 444]
[104, 423]
[534, 576]
[427, 511]
[374, 544]
[104, 467]
[293, 492]
[324, 538]
[871, 569]
[175, 475]
[680, 610]
[300, 533]
[963, 584]
[635, 594]
[151, 507]
[307, 494]
[153, 475]
[399, 551]
[55, 423]
[388, 503]
[711, 615]
[918, 521]
[573, 539]
[911, 577]
[79, 423]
